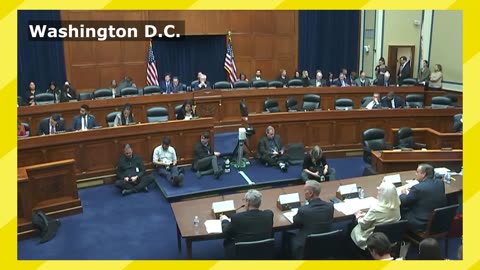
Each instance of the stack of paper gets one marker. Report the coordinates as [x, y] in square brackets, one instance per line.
[213, 226]
[350, 206]
[290, 214]
[409, 184]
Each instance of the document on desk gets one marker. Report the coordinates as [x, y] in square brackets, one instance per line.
[213, 226]
[290, 214]
[350, 206]
[408, 185]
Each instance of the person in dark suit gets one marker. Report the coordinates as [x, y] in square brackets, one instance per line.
[84, 120]
[52, 126]
[204, 159]
[167, 85]
[418, 203]
[374, 103]
[403, 70]
[314, 217]
[271, 150]
[341, 81]
[283, 78]
[68, 93]
[391, 101]
[318, 81]
[202, 83]
[131, 176]
[252, 225]
[330, 80]
[176, 85]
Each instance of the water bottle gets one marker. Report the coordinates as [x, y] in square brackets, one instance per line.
[196, 221]
[447, 177]
[226, 166]
[361, 193]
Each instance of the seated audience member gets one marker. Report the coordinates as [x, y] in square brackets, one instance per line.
[374, 103]
[418, 203]
[283, 77]
[251, 225]
[424, 74]
[113, 85]
[386, 210]
[379, 247]
[315, 166]
[391, 101]
[131, 176]
[318, 81]
[403, 70]
[352, 78]
[305, 78]
[21, 129]
[243, 77]
[330, 81]
[187, 112]
[84, 120]
[271, 150]
[165, 158]
[126, 82]
[204, 159]
[296, 75]
[312, 218]
[176, 85]
[68, 93]
[342, 81]
[202, 83]
[52, 126]
[125, 117]
[429, 249]
[436, 77]
[54, 90]
[258, 75]
[166, 84]
[31, 92]
[363, 80]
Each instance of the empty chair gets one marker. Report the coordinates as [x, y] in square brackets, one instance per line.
[240, 85]
[296, 153]
[343, 104]
[129, 92]
[178, 109]
[110, 118]
[152, 90]
[458, 122]
[222, 85]
[103, 93]
[276, 84]
[408, 82]
[372, 139]
[259, 84]
[44, 98]
[406, 140]
[323, 245]
[441, 102]
[311, 102]
[20, 101]
[295, 83]
[255, 250]
[453, 99]
[291, 104]
[157, 114]
[395, 232]
[85, 96]
[271, 105]
[414, 101]
[243, 108]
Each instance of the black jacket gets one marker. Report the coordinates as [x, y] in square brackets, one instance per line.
[44, 127]
[201, 151]
[252, 225]
[264, 148]
[130, 167]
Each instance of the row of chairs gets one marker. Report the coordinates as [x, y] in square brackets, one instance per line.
[154, 114]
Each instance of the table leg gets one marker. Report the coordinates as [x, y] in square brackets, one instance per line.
[179, 239]
[189, 248]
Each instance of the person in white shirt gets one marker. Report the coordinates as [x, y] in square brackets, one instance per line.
[165, 159]
[374, 103]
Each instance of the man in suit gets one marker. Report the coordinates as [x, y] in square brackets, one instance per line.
[341, 81]
[312, 218]
[374, 103]
[271, 150]
[391, 101]
[283, 78]
[202, 83]
[204, 159]
[251, 225]
[418, 203]
[318, 81]
[166, 85]
[363, 80]
[84, 120]
[52, 126]
[131, 176]
[403, 70]
[176, 85]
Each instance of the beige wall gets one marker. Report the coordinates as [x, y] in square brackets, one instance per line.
[368, 58]
[446, 47]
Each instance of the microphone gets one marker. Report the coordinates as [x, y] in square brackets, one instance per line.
[240, 207]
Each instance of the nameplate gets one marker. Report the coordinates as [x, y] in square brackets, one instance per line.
[347, 192]
[394, 179]
[288, 201]
[223, 208]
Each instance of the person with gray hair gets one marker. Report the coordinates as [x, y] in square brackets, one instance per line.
[252, 225]
[271, 151]
[315, 166]
[314, 217]
[202, 83]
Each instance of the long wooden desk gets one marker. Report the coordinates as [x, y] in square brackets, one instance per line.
[393, 161]
[431, 137]
[186, 210]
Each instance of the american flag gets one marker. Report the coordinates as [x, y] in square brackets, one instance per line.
[229, 62]
[152, 74]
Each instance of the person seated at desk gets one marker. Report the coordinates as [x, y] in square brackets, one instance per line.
[21, 129]
[391, 101]
[379, 247]
[166, 85]
[204, 159]
[125, 117]
[84, 120]
[165, 159]
[52, 126]
[374, 103]
[68, 93]
[187, 112]
[252, 225]
[202, 83]
[54, 90]
[258, 75]
[31, 93]
[271, 150]
[341, 81]
[418, 203]
[176, 85]
[315, 166]
[283, 78]
[363, 80]
[131, 176]
[318, 81]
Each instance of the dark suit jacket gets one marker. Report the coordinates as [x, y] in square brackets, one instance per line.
[418, 205]
[387, 103]
[44, 127]
[282, 80]
[404, 73]
[165, 89]
[200, 151]
[196, 86]
[178, 88]
[77, 122]
[313, 82]
[339, 82]
[264, 148]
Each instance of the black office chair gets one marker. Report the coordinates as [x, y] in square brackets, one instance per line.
[323, 245]
[222, 85]
[453, 99]
[395, 232]
[259, 84]
[103, 93]
[406, 140]
[295, 83]
[192, 84]
[365, 101]
[177, 109]
[311, 102]
[86, 96]
[129, 92]
[296, 153]
[291, 104]
[457, 122]
[255, 250]
[44, 99]
[372, 139]
[243, 109]
[408, 82]
[414, 101]
[110, 118]
[20, 101]
[240, 85]
[275, 84]
[271, 105]
[343, 104]
[441, 102]
[157, 114]
[152, 90]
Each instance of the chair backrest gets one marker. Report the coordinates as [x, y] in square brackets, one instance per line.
[129, 92]
[177, 109]
[394, 231]
[453, 99]
[85, 96]
[222, 85]
[291, 104]
[259, 84]
[405, 137]
[343, 104]
[271, 105]
[193, 83]
[365, 101]
[240, 84]
[322, 245]
[243, 109]
[311, 102]
[457, 122]
[20, 101]
[255, 250]
[44, 98]
[110, 118]
[374, 139]
[103, 93]
[295, 83]
[440, 220]
[157, 114]
[296, 153]
[414, 101]
[276, 84]
[27, 128]
[441, 102]
[152, 90]
[408, 82]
